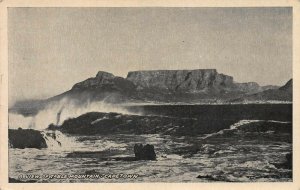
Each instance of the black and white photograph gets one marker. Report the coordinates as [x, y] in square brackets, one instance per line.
[150, 94]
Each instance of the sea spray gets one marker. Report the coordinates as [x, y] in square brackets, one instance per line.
[58, 112]
[58, 141]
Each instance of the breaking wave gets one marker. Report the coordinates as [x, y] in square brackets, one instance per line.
[237, 125]
[57, 141]
[58, 112]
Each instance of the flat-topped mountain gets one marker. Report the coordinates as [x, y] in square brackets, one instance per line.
[187, 81]
[163, 86]
[200, 81]
[173, 86]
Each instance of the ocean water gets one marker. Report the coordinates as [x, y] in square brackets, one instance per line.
[241, 152]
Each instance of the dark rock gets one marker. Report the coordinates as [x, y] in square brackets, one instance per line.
[112, 123]
[13, 180]
[26, 138]
[289, 160]
[144, 152]
[181, 120]
[288, 164]
[52, 126]
[264, 126]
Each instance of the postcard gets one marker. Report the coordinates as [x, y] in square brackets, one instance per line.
[149, 94]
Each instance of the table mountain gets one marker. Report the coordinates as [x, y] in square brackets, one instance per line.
[173, 86]
[160, 85]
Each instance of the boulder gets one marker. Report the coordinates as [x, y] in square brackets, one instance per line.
[144, 152]
[287, 164]
[26, 138]
[13, 180]
[289, 160]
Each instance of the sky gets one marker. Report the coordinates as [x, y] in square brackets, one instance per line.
[51, 49]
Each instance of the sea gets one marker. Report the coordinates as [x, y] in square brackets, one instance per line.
[250, 147]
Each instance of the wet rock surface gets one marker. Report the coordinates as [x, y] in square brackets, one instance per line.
[13, 180]
[144, 152]
[113, 123]
[179, 120]
[287, 164]
[26, 138]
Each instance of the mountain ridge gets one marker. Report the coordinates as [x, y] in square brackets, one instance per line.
[189, 86]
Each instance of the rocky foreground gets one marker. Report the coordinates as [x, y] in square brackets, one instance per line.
[97, 123]
[26, 138]
[113, 123]
[249, 150]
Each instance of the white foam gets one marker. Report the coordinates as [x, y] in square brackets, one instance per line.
[243, 122]
[97, 120]
[56, 140]
[68, 110]
[240, 123]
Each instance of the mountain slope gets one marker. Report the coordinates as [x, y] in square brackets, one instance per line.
[201, 85]
[173, 86]
[284, 93]
[104, 86]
